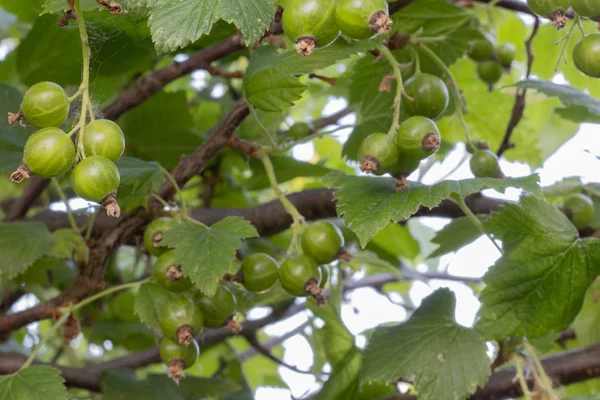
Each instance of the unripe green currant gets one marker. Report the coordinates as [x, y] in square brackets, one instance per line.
[580, 210]
[154, 233]
[45, 104]
[298, 273]
[377, 153]
[489, 71]
[178, 357]
[362, 19]
[217, 310]
[417, 137]
[506, 54]
[181, 319]
[259, 272]
[95, 178]
[49, 152]
[299, 130]
[587, 8]
[102, 137]
[481, 50]
[554, 10]
[427, 96]
[586, 55]
[322, 241]
[310, 24]
[167, 273]
[484, 164]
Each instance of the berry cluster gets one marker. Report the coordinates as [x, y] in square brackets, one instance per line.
[491, 59]
[184, 316]
[50, 152]
[318, 23]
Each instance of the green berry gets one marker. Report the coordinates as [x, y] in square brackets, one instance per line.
[103, 137]
[259, 272]
[154, 233]
[417, 137]
[49, 152]
[178, 357]
[299, 130]
[586, 55]
[428, 96]
[322, 241]
[362, 19]
[506, 54]
[587, 8]
[167, 273]
[377, 153]
[297, 272]
[405, 166]
[310, 24]
[489, 71]
[180, 319]
[481, 50]
[45, 104]
[581, 210]
[547, 8]
[217, 310]
[484, 164]
[95, 178]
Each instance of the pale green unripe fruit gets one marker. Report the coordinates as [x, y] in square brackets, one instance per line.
[310, 24]
[95, 178]
[49, 152]
[105, 138]
[362, 19]
[45, 104]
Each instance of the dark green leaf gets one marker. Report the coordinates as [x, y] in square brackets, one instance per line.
[139, 179]
[33, 382]
[25, 10]
[65, 243]
[457, 234]
[21, 244]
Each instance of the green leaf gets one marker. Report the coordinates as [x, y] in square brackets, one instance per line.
[342, 384]
[447, 360]
[139, 179]
[538, 285]
[65, 242]
[457, 234]
[25, 10]
[149, 300]
[176, 25]
[271, 82]
[205, 253]
[368, 204]
[32, 383]
[58, 6]
[12, 138]
[579, 105]
[587, 323]
[338, 340]
[21, 244]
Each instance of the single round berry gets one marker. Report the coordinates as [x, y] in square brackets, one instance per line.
[405, 166]
[178, 357]
[377, 153]
[45, 104]
[259, 272]
[428, 96]
[95, 178]
[587, 8]
[154, 233]
[489, 71]
[484, 164]
[122, 306]
[322, 241]
[299, 130]
[217, 310]
[310, 24]
[49, 152]
[324, 275]
[103, 137]
[481, 50]
[580, 209]
[418, 137]
[167, 273]
[297, 272]
[362, 19]
[547, 8]
[505, 53]
[181, 319]
[586, 55]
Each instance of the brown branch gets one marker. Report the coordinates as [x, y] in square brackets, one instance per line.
[520, 97]
[9, 297]
[215, 71]
[332, 119]
[513, 5]
[19, 208]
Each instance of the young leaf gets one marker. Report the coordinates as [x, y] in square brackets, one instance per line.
[368, 203]
[33, 383]
[139, 179]
[21, 244]
[149, 300]
[65, 242]
[271, 81]
[539, 284]
[343, 382]
[447, 360]
[457, 234]
[205, 253]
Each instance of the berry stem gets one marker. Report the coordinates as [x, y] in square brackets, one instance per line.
[538, 365]
[473, 218]
[43, 342]
[106, 292]
[61, 195]
[517, 361]
[88, 231]
[265, 130]
[399, 88]
[297, 218]
[455, 92]
[177, 189]
[85, 78]
[566, 39]
[161, 200]
[416, 60]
